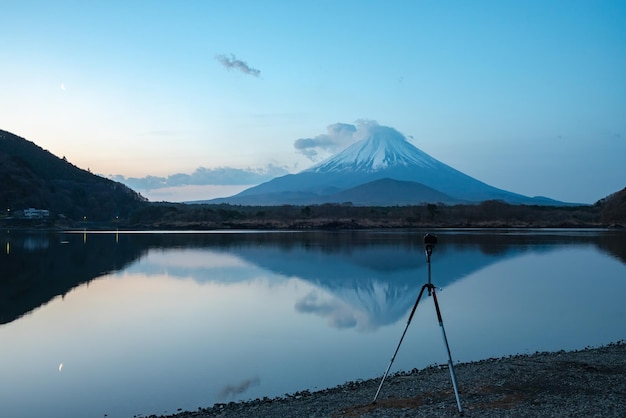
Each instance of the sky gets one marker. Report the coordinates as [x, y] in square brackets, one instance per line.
[203, 98]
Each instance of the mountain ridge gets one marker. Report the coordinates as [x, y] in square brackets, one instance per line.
[381, 192]
[383, 154]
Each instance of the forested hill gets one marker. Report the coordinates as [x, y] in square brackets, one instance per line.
[32, 177]
[614, 208]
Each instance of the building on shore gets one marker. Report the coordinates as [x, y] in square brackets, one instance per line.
[32, 213]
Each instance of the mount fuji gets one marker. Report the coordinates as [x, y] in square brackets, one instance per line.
[382, 169]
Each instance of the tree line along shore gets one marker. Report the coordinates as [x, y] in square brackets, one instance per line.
[488, 214]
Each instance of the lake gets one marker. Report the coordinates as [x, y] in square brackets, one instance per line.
[117, 324]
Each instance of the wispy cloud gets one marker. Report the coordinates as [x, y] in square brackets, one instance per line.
[231, 62]
[223, 176]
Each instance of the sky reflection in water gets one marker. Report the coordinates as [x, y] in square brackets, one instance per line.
[188, 327]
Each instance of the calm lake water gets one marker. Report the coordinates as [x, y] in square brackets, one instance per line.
[127, 324]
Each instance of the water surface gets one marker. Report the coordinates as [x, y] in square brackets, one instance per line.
[125, 324]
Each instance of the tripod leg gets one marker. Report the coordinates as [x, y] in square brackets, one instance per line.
[445, 341]
[399, 343]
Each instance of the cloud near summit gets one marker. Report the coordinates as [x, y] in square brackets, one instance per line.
[339, 136]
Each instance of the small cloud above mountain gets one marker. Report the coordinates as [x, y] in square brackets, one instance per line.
[231, 62]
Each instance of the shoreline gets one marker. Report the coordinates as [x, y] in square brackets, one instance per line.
[334, 226]
[589, 382]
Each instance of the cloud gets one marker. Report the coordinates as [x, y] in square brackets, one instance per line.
[337, 137]
[233, 63]
[338, 314]
[232, 390]
[223, 176]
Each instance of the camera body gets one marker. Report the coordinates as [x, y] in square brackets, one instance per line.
[430, 241]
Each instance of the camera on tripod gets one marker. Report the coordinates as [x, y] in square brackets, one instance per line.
[429, 243]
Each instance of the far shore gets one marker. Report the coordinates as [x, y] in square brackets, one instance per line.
[288, 226]
[159, 216]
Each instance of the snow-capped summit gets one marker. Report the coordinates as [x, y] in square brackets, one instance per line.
[382, 148]
[383, 168]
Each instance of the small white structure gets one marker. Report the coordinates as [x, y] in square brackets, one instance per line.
[32, 213]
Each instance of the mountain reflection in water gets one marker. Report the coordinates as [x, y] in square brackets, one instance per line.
[378, 272]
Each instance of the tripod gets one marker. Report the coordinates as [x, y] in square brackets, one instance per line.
[429, 244]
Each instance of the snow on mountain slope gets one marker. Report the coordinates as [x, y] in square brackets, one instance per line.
[384, 148]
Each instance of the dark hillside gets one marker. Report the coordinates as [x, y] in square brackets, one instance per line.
[32, 177]
[614, 208]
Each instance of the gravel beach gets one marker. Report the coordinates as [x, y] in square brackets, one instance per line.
[585, 383]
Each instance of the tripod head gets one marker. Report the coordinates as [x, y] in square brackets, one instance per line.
[429, 244]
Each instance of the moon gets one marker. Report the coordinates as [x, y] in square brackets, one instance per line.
[60, 366]
[63, 86]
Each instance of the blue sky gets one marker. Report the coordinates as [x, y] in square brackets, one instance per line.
[528, 96]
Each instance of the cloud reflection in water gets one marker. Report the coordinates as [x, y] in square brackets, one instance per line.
[230, 391]
[338, 314]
